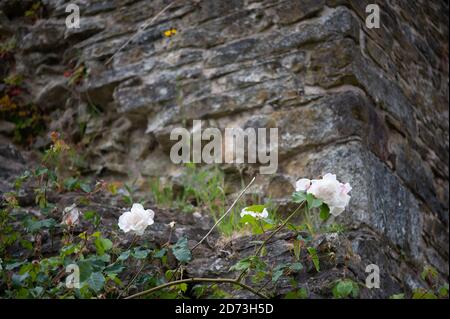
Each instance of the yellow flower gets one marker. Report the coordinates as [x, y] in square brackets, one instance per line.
[170, 32]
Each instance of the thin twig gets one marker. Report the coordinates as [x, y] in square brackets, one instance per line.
[192, 280]
[224, 215]
[131, 281]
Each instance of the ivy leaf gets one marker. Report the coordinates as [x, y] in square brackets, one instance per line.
[314, 257]
[96, 281]
[324, 212]
[181, 250]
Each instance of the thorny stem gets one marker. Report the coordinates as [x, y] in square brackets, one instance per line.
[263, 244]
[192, 280]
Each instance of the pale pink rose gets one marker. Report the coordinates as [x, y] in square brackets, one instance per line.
[302, 185]
[136, 220]
[331, 192]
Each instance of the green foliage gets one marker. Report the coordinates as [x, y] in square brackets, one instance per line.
[421, 293]
[181, 250]
[301, 293]
[34, 12]
[283, 269]
[249, 263]
[257, 225]
[345, 288]
[314, 257]
[438, 290]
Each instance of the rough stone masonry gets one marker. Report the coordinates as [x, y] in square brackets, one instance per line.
[368, 104]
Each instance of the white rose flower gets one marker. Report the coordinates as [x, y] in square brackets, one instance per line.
[71, 215]
[136, 220]
[331, 192]
[261, 215]
[302, 185]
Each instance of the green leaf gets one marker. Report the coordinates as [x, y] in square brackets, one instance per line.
[34, 226]
[102, 245]
[296, 267]
[40, 171]
[345, 288]
[71, 183]
[443, 291]
[248, 219]
[85, 187]
[242, 265]
[301, 293]
[298, 197]
[255, 208]
[85, 270]
[183, 287]
[114, 269]
[160, 254]
[313, 202]
[14, 265]
[26, 244]
[278, 272]
[181, 250]
[324, 212]
[124, 255]
[140, 253]
[252, 262]
[314, 257]
[421, 293]
[96, 281]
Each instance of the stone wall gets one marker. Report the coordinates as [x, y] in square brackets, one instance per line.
[369, 105]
